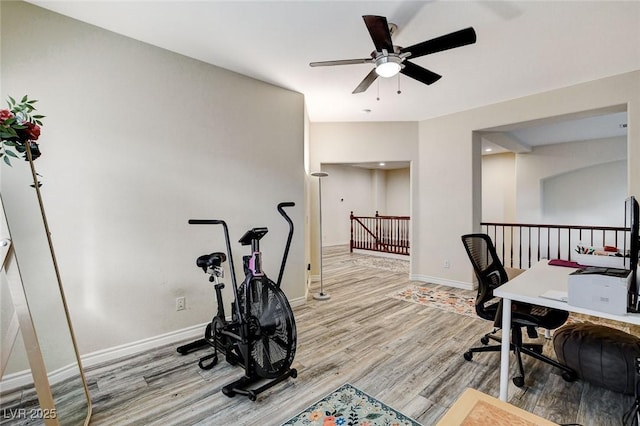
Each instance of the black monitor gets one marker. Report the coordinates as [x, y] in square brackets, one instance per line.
[632, 223]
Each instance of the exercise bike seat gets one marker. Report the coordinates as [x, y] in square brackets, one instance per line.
[212, 260]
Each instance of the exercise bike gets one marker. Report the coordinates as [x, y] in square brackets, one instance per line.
[261, 335]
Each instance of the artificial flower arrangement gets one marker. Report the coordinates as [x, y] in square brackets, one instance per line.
[19, 128]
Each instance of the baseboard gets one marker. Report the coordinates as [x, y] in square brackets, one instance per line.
[335, 244]
[23, 378]
[298, 301]
[444, 281]
[116, 352]
[382, 254]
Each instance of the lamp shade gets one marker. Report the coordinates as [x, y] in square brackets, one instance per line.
[388, 69]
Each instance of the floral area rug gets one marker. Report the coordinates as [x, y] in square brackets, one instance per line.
[349, 406]
[451, 299]
[462, 302]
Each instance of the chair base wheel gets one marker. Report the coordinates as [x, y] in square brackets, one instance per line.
[484, 340]
[518, 381]
[468, 356]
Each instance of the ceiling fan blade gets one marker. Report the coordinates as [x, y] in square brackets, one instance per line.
[379, 31]
[445, 42]
[342, 62]
[416, 72]
[368, 80]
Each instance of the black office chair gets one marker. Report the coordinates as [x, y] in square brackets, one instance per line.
[491, 275]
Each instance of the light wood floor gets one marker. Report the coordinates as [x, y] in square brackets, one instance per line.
[406, 355]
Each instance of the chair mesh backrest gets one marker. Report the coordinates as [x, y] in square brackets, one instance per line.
[486, 265]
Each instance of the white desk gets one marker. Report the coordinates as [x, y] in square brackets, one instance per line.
[527, 287]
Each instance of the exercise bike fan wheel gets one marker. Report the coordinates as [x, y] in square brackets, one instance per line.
[272, 328]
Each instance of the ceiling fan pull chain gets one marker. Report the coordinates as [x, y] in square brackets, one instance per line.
[378, 97]
[399, 91]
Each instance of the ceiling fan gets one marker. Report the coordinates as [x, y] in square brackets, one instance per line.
[390, 60]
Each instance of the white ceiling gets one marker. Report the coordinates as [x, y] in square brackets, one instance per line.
[523, 47]
[524, 138]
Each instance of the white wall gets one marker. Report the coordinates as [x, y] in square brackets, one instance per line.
[136, 141]
[398, 195]
[379, 195]
[499, 187]
[551, 160]
[362, 142]
[347, 189]
[355, 143]
[361, 191]
[592, 195]
[446, 171]
[579, 183]
[447, 183]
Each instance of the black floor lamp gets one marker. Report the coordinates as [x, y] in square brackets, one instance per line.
[322, 295]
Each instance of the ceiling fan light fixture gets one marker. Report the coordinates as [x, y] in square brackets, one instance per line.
[388, 66]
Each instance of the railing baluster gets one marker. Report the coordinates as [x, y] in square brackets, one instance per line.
[529, 247]
[503, 240]
[508, 239]
[511, 247]
[538, 253]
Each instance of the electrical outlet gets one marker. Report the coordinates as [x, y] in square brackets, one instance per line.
[181, 303]
[446, 264]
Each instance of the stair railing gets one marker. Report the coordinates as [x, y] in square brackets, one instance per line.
[387, 234]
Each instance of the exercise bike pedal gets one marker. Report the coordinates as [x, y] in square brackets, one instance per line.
[210, 365]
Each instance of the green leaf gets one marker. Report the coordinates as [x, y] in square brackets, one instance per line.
[372, 416]
[25, 98]
[39, 116]
[12, 101]
[11, 154]
[6, 160]
[9, 132]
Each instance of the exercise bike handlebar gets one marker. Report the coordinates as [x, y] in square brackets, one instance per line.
[284, 214]
[205, 222]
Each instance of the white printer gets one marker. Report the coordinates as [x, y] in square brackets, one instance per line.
[600, 289]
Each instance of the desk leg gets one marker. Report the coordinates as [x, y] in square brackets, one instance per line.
[504, 350]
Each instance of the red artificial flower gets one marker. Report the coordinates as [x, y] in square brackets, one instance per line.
[5, 114]
[32, 131]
